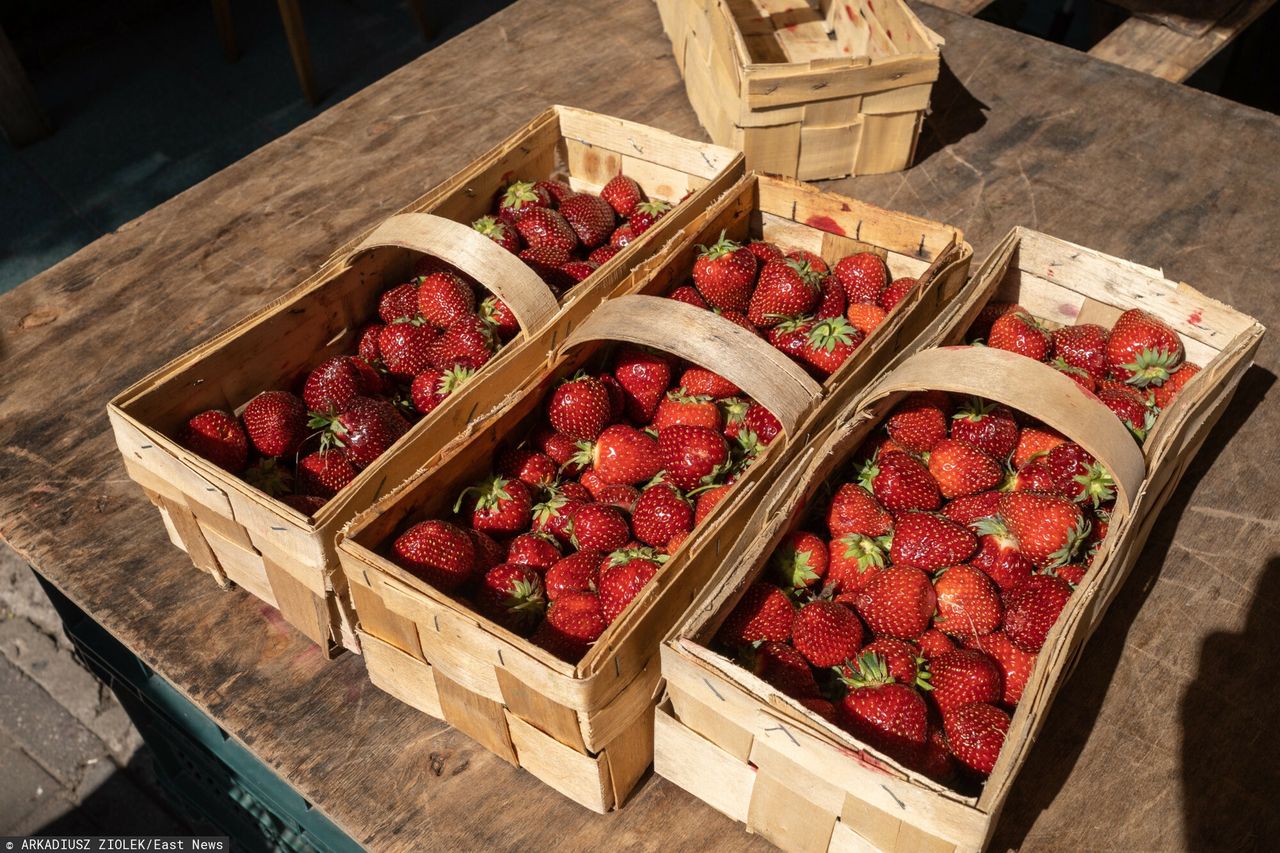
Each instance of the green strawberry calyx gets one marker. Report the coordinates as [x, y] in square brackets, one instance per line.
[1076, 537]
[795, 568]
[718, 249]
[526, 599]
[625, 555]
[830, 333]
[332, 429]
[269, 477]
[869, 669]
[1096, 485]
[805, 270]
[995, 527]
[657, 208]
[490, 226]
[974, 411]
[489, 495]
[869, 551]
[519, 194]
[1152, 367]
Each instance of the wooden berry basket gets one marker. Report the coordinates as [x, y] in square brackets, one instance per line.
[840, 89]
[239, 534]
[586, 730]
[761, 758]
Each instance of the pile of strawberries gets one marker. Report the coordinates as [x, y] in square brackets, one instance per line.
[1137, 367]
[433, 333]
[816, 314]
[913, 620]
[577, 518]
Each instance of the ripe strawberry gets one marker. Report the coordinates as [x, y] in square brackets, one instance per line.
[724, 274]
[1078, 475]
[765, 251]
[580, 408]
[889, 716]
[646, 214]
[574, 621]
[559, 447]
[901, 659]
[644, 378]
[512, 596]
[468, 344]
[853, 560]
[306, 504]
[733, 412]
[578, 271]
[1049, 528]
[1034, 476]
[661, 513]
[276, 422]
[1033, 608]
[785, 288]
[489, 552]
[990, 427]
[930, 542]
[865, 318]
[444, 299]
[829, 345]
[1019, 332]
[863, 276]
[764, 613]
[1034, 441]
[547, 261]
[689, 296]
[1132, 412]
[618, 495]
[831, 300]
[1168, 391]
[405, 347]
[518, 197]
[814, 260]
[1075, 374]
[497, 315]
[898, 290]
[1072, 573]
[700, 382]
[624, 235]
[499, 232]
[692, 456]
[622, 194]
[543, 227]
[601, 255]
[533, 549]
[431, 386]
[217, 436]
[933, 643]
[399, 302]
[597, 527]
[799, 561]
[968, 602]
[1142, 349]
[440, 553]
[680, 409]
[621, 583]
[899, 482]
[578, 572]
[998, 555]
[964, 676]
[975, 734]
[854, 510]
[762, 423]
[972, 508]
[497, 505]
[1083, 347]
[1015, 664]
[898, 602]
[325, 472]
[962, 469]
[920, 421]
[336, 382]
[536, 470]
[791, 336]
[557, 190]
[590, 217]
[826, 633]
[367, 348]
[781, 666]
[366, 429]
[621, 454]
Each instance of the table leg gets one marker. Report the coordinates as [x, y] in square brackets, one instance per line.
[291, 16]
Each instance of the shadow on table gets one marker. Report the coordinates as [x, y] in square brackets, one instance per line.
[1071, 718]
[956, 114]
[1230, 755]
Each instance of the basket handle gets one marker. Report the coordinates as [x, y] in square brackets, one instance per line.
[501, 272]
[1030, 387]
[707, 339]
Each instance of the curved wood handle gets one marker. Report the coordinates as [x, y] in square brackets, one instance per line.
[504, 274]
[707, 339]
[1030, 387]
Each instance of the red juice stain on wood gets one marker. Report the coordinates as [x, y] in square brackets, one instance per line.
[889, 33]
[871, 6]
[825, 223]
[848, 10]
[1196, 316]
[1069, 310]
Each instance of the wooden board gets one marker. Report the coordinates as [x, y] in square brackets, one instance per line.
[1034, 134]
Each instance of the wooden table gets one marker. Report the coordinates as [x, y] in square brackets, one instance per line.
[1164, 737]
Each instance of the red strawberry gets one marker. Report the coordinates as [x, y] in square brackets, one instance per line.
[709, 500]
[325, 472]
[734, 415]
[366, 429]
[962, 677]
[968, 602]
[854, 510]
[1083, 347]
[826, 633]
[578, 271]
[898, 602]
[1015, 664]
[680, 409]
[574, 621]
[306, 504]
[336, 382]
[559, 447]
[444, 299]
[889, 716]
[543, 227]
[933, 643]
[512, 596]
[431, 387]
[990, 312]
[822, 707]
[692, 456]
[621, 454]
[1034, 441]
[533, 549]
[700, 382]
[623, 236]
[920, 421]
[621, 583]
[1072, 573]
[499, 232]
[590, 217]
[901, 659]
[601, 255]
[618, 495]
[399, 302]
[1078, 475]
[899, 482]
[1076, 375]
[786, 288]
[276, 422]
[557, 190]
[440, 553]
[367, 348]
[853, 560]
[519, 196]
[580, 408]
[547, 261]
[1132, 412]
[962, 469]
[1168, 391]
[897, 291]
[990, 427]
[405, 347]
[765, 251]
[725, 273]
[762, 423]
[597, 527]
[998, 555]
[781, 666]
[1034, 476]
[830, 343]
[497, 505]
[660, 514]
[499, 318]
[646, 214]
[534, 469]
[1019, 332]
[863, 276]
[799, 561]
[764, 613]
[644, 378]
[1142, 349]
[971, 508]
[1049, 528]
[578, 572]
[217, 436]
[865, 318]
[975, 734]
[468, 343]
[489, 552]
[1033, 608]
[791, 336]
[832, 301]
[814, 260]
[689, 296]
[622, 194]
[930, 542]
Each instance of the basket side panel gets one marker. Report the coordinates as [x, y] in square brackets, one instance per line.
[406, 678]
[581, 778]
[481, 718]
[700, 767]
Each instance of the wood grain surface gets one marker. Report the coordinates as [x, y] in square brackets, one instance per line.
[1161, 740]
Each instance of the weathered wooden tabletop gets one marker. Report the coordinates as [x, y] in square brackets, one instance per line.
[1164, 738]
